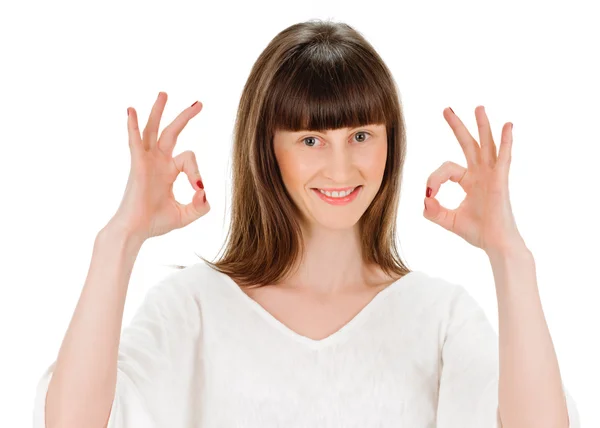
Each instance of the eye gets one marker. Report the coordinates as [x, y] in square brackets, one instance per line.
[362, 132]
[314, 138]
[309, 138]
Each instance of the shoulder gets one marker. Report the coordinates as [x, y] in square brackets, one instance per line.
[437, 295]
[422, 285]
[184, 297]
[186, 287]
[457, 307]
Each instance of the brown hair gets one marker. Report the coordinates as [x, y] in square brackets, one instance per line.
[313, 75]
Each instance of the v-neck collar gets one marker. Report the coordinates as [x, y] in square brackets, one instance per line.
[332, 338]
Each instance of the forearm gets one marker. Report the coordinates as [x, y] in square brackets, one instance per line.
[530, 388]
[83, 382]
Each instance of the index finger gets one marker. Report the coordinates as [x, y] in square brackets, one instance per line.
[151, 129]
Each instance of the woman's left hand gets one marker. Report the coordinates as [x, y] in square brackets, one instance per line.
[484, 218]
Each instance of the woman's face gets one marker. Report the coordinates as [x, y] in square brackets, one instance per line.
[335, 159]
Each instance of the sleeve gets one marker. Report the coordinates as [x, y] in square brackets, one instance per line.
[157, 359]
[469, 379]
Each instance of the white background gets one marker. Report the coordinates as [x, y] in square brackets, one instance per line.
[71, 69]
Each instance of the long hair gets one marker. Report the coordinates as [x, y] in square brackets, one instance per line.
[313, 75]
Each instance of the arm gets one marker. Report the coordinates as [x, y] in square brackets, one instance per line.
[469, 379]
[157, 365]
[530, 387]
[82, 387]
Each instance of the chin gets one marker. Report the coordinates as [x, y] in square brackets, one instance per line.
[320, 214]
[333, 222]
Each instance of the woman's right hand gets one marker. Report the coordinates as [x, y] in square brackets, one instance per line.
[149, 207]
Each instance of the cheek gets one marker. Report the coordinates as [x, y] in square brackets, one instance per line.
[295, 169]
[373, 161]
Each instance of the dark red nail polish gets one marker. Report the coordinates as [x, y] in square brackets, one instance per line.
[194, 104]
[451, 110]
[205, 197]
[199, 184]
[428, 192]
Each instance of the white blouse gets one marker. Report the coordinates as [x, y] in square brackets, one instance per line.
[201, 353]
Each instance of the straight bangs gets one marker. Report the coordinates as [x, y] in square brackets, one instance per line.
[317, 89]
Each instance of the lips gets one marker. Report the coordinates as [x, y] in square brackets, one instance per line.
[343, 189]
[338, 201]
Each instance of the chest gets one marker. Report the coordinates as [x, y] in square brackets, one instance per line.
[364, 380]
[310, 316]
[363, 359]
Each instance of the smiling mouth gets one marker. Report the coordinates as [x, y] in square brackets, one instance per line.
[353, 191]
[338, 189]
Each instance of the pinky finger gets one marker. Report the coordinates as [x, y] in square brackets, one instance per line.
[135, 139]
[505, 152]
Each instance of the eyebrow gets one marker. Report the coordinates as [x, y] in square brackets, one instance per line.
[326, 131]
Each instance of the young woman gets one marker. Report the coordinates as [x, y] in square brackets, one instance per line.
[310, 318]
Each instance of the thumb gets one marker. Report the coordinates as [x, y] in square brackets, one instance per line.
[438, 214]
[195, 209]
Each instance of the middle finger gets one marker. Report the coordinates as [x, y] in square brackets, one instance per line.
[151, 129]
[488, 147]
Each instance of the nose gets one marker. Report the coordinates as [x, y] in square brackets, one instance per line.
[340, 165]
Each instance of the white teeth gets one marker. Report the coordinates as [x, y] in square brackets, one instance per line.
[336, 194]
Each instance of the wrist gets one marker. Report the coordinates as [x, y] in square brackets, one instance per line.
[515, 251]
[117, 233]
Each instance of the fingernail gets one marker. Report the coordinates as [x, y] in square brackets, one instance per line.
[199, 184]
[451, 110]
[428, 192]
[194, 104]
[511, 126]
[205, 197]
